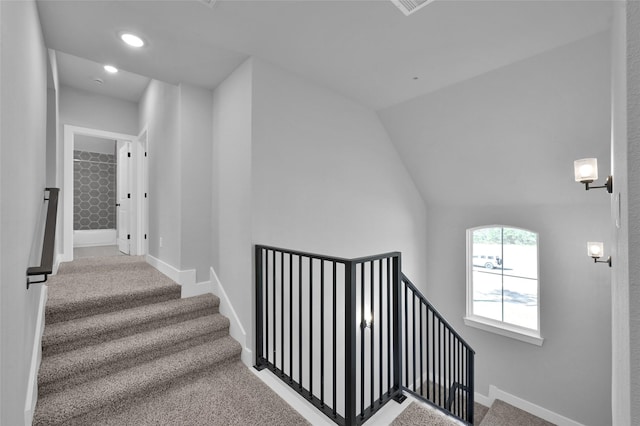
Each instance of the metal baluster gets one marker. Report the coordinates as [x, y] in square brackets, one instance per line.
[282, 312]
[311, 328]
[380, 327]
[275, 315]
[322, 332]
[406, 338]
[290, 317]
[266, 304]
[421, 354]
[350, 344]
[259, 308]
[372, 334]
[389, 323]
[300, 320]
[413, 337]
[335, 349]
[362, 339]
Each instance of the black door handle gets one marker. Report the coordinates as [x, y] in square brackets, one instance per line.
[117, 204]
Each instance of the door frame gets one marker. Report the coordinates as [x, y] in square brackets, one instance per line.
[67, 186]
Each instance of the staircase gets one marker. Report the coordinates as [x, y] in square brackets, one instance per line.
[117, 329]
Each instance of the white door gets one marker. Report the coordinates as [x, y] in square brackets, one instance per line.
[123, 196]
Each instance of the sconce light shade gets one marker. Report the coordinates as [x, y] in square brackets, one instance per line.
[368, 319]
[586, 170]
[595, 249]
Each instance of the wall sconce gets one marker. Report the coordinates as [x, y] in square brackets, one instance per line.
[586, 171]
[368, 320]
[595, 250]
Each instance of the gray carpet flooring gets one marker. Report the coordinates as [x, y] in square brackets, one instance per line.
[419, 414]
[499, 414]
[503, 414]
[120, 348]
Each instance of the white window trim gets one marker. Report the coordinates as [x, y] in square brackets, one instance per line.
[493, 326]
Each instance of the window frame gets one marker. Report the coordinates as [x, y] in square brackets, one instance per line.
[502, 328]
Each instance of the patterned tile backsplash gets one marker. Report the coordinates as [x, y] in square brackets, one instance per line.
[94, 190]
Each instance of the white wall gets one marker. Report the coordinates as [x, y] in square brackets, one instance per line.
[633, 169]
[159, 112]
[196, 192]
[570, 373]
[22, 179]
[499, 149]
[231, 181]
[326, 177]
[85, 109]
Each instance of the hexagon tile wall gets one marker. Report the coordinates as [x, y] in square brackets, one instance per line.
[94, 190]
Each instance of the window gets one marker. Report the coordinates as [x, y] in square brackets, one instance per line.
[502, 282]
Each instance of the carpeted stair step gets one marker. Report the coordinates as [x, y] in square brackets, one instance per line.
[87, 287]
[61, 407]
[103, 264]
[69, 335]
[67, 369]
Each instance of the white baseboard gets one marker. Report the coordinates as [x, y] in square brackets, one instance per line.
[186, 278]
[529, 407]
[94, 237]
[36, 357]
[236, 330]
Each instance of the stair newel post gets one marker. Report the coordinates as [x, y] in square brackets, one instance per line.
[350, 344]
[471, 388]
[397, 330]
[259, 308]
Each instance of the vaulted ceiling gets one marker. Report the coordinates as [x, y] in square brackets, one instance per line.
[367, 49]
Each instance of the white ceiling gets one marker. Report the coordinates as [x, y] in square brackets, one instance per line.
[81, 73]
[367, 50]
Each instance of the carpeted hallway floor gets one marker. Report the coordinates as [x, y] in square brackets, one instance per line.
[120, 347]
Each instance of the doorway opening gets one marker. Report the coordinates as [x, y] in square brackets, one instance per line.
[101, 194]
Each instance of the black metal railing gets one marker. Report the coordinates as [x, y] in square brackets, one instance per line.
[48, 243]
[333, 329]
[438, 363]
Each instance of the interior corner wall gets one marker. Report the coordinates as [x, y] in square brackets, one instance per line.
[633, 170]
[231, 184]
[326, 177]
[196, 192]
[159, 111]
[23, 109]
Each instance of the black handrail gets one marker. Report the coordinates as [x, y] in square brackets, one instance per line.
[424, 300]
[48, 245]
[302, 295]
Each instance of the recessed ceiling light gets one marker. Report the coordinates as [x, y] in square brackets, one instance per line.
[132, 39]
[111, 69]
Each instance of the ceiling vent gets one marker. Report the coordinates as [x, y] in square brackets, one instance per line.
[409, 6]
[209, 3]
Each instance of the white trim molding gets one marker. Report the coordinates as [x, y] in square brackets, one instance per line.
[36, 357]
[185, 278]
[236, 330]
[66, 209]
[94, 237]
[504, 329]
[529, 407]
